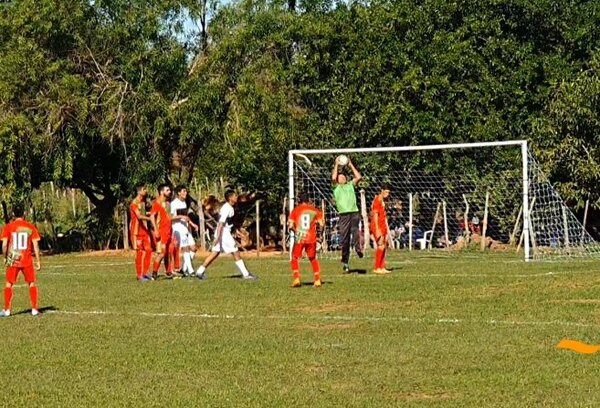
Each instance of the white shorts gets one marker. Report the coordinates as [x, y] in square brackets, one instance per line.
[191, 240]
[184, 238]
[227, 244]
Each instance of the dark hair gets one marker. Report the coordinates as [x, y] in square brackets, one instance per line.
[229, 193]
[303, 198]
[385, 186]
[161, 187]
[179, 188]
[139, 188]
[18, 210]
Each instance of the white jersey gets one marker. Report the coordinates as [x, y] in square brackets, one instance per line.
[226, 216]
[177, 204]
[227, 244]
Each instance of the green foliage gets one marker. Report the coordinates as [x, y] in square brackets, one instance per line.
[104, 95]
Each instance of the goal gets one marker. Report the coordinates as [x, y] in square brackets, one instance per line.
[450, 197]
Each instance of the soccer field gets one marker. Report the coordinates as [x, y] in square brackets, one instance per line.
[440, 331]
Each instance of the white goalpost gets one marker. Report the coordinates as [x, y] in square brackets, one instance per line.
[452, 197]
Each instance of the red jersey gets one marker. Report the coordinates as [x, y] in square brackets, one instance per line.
[138, 227]
[161, 210]
[378, 209]
[305, 218]
[19, 236]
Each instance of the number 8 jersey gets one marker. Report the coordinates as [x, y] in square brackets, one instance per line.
[305, 218]
[19, 236]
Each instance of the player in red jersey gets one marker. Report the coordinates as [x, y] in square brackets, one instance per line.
[161, 214]
[140, 234]
[19, 239]
[303, 222]
[379, 229]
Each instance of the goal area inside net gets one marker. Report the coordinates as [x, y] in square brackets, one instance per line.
[451, 197]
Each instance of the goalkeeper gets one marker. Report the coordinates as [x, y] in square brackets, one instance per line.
[344, 193]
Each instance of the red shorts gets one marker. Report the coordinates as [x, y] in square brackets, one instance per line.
[310, 248]
[142, 243]
[162, 246]
[12, 272]
[383, 231]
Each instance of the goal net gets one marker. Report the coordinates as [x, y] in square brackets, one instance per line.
[457, 197]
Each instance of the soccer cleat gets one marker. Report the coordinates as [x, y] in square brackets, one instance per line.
[154, 275]
[317, 283]
[35, 312]
[381, 271]
[146, 278]
[250, 277]
[296, 283]
[5, 313]
[360, 254]
[346, 268]
[201, 276]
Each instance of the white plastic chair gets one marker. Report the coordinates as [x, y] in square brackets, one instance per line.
[423, 242]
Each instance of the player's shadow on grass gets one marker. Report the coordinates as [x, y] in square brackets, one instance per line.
[238, 276]
[311, 284]
[358, 271]
[42, 310]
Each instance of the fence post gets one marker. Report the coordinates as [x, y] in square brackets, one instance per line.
[410, 221]
[284, 225]
[125, 230]
[585, 215]
[446, 225]
[257, 228]
[485, 220]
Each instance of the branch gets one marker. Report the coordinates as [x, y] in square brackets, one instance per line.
[89, 192]
[177, 104]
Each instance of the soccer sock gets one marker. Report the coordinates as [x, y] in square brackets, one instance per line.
[33, 296]
[156, 266]
[295, 264]
[147, 261]
[296, 274]
[176, 260]
[187, 262]
[378, 253]
[201, 270]
[316, 269]
[138, 263]
[169, 261]
[382, 263]
[8, 292]
[242, 267]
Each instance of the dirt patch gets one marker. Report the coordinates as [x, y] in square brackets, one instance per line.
[327, 326]
[316, 368]
[422, 396]
[328, 308]
[202, 254]
[493, 290]
[109, 252]
[333, 308]
[576, 301]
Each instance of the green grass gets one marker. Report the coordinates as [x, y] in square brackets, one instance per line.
[441, 331]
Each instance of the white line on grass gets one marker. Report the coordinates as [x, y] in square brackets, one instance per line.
[87, 265]
[494, 322]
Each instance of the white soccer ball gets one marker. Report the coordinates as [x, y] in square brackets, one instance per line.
[342, 160]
